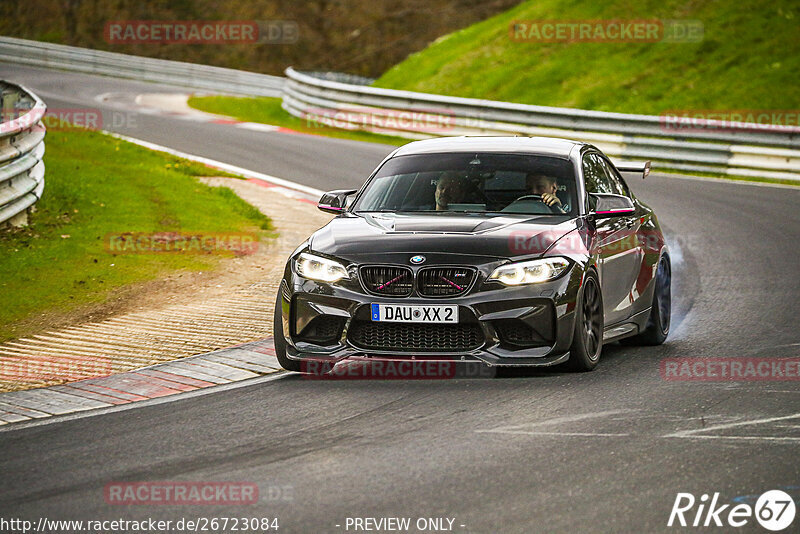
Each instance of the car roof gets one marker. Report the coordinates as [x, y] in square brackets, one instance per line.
[544, 146]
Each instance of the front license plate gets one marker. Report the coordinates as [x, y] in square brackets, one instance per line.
[404, 313]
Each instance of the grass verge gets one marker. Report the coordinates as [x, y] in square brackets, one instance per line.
[97, 185]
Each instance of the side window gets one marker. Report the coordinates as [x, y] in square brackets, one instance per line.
[595, 177]
[616, 180]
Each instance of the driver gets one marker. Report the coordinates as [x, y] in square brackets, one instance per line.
[449, 189]
[546, 187]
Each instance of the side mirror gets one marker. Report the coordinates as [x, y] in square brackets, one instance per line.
[607, 205]
[335, 201]
[642, 167]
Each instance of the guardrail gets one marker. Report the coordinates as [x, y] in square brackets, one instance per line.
[21, 151]
[189, 75]
[345, 102]
[743, 150]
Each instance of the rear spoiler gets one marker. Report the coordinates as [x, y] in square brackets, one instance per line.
[634, 166]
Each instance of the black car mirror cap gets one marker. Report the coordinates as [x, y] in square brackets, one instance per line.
[335, 201]
[608, 205]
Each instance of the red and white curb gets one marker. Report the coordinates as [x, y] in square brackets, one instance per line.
[220, 367]
[175, 105]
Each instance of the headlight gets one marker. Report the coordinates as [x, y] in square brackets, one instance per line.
[319, 268]
[530, 272]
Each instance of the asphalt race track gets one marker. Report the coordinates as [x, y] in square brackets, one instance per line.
[606, 451]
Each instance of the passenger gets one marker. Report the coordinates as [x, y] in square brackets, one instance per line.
[449, 190]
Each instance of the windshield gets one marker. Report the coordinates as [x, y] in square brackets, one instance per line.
[472, 183]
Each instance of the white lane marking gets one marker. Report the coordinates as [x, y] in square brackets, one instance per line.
[540, 433]
[522, 429]
[141, 404]
[695, 434]
[222, 166]
[740, 423]
[741, 438]
[257, 126]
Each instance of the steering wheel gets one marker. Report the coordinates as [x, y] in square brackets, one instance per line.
[555, 208]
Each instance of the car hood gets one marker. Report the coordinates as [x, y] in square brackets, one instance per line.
[365, 236]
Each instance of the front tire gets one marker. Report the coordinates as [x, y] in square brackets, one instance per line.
[280, 342]
[587, 339]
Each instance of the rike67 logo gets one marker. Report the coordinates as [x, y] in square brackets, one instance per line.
[774, 510]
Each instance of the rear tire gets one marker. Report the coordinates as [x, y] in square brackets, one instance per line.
[587, 339]
[280, 342]
[657, 329]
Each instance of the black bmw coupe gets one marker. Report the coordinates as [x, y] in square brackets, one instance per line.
[512, 251]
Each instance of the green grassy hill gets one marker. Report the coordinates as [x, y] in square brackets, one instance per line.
[748, 59]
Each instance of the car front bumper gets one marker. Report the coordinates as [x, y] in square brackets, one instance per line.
[545, 311]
